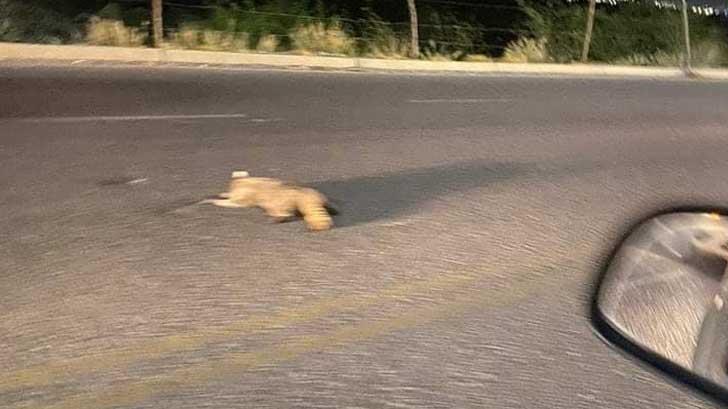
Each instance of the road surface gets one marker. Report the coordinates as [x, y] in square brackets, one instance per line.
[476, 215]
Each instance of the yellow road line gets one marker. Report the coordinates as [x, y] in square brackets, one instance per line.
[237, 362]
[48, 373]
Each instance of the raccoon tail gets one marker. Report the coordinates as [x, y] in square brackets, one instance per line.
[219, 200]
[317, 218]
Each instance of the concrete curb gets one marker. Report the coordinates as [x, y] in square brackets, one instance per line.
[494, 67]
[15, 51]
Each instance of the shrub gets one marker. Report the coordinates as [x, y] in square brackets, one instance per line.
[659, 58]
[625, 32]
[448, 36]
[710, 54]
[319, 38]
[20, 22]
[390, 47]
[380, 41]
[193, 37]
[111, 11]
[478, 58]
[113, 33]
[707, 54]
[267, 44]
[189, 37]
[526, 50]
[269, 19]
[434, 56]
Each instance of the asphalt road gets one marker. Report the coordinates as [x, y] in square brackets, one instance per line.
[476, 215]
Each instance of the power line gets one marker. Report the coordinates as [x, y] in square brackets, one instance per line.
[189, 6]
[477, 5]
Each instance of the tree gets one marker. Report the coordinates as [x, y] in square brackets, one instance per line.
[686, 30]
[414, 30]
[157, 26]
[589, 29]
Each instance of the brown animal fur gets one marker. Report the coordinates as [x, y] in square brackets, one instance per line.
[279, 200]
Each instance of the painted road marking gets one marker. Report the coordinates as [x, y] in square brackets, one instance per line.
[121, 118]
[237, 362]
[457, 100]
[48, 373]
[137, 181]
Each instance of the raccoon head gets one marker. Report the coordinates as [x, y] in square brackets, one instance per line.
[239, 174]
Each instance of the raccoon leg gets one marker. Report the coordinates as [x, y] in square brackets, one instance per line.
[224, 203]
[284, 219]
[280, 214]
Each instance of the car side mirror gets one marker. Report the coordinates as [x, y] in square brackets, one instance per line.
[664, 297]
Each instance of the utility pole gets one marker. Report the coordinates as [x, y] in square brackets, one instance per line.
[589, 29]
[414, 30]
[157, 25]
[686, 29]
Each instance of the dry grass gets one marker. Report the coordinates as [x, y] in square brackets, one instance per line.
[317, 38]
[193, 38]
[267, 44]
[661, 59]
[380, 40]
[432, 56]
[390, 47]
[113, 33]
[477, 58]
[526, 50]
[703, 55]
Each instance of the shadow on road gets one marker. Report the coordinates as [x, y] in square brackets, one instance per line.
[369, 198]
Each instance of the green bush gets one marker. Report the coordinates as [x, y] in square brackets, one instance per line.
[380, 40]
[448, 36]
[259, 22]
[710, 54]
[629, 31]
[21, 22]
[636, 29]
[111, 11]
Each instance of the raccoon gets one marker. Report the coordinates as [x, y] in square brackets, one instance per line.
[280, 200]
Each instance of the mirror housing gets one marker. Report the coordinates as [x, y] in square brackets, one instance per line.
[664, 297]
